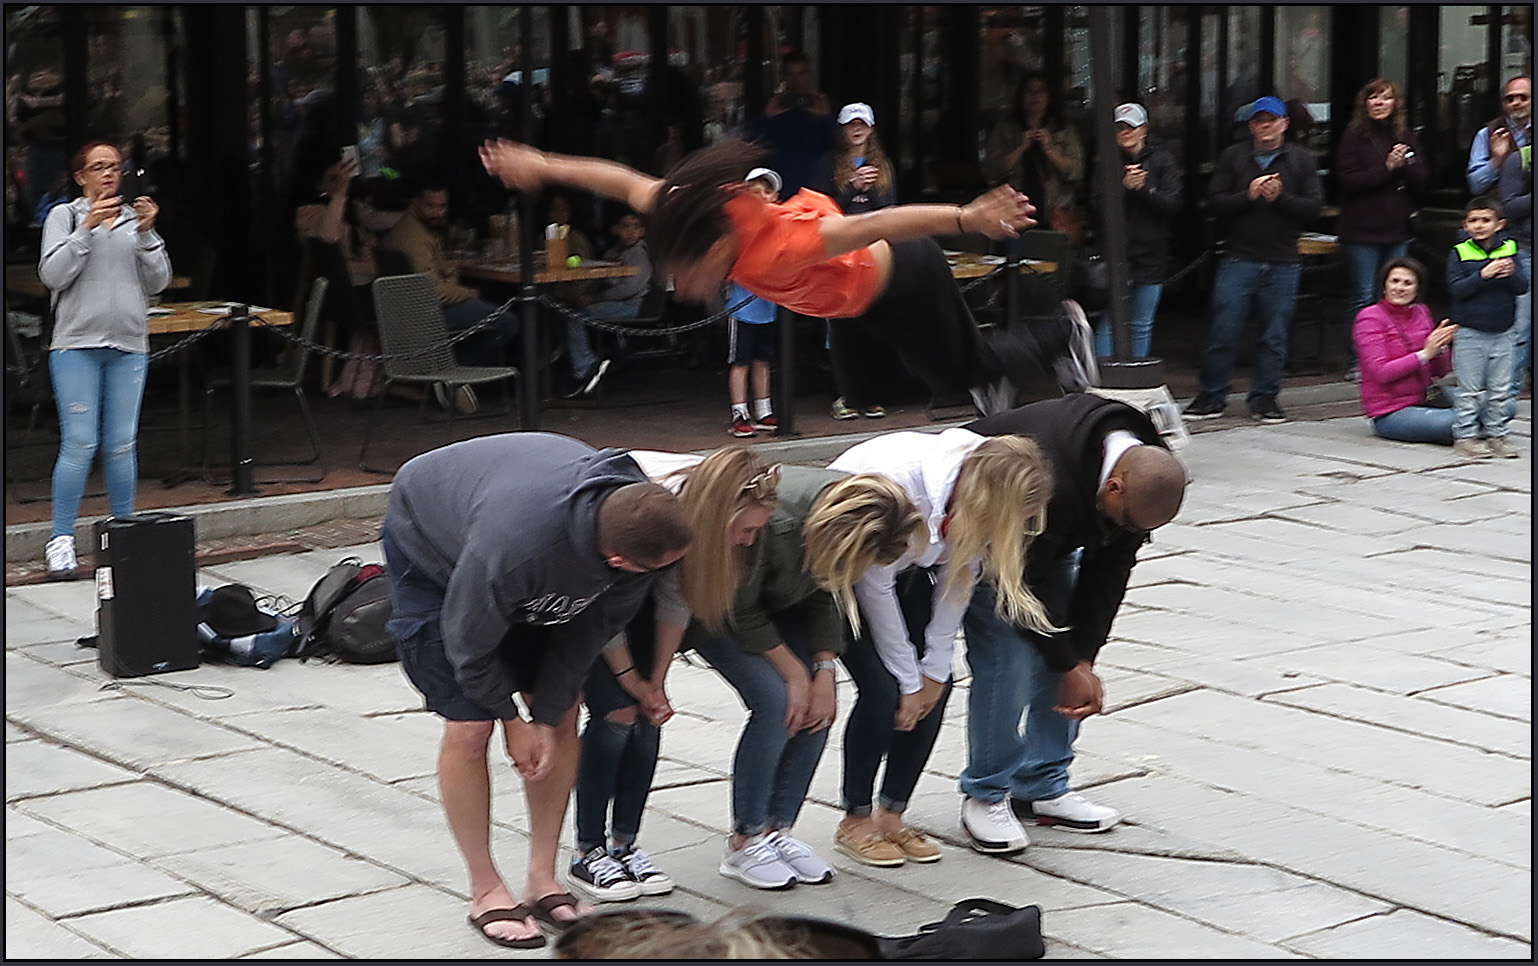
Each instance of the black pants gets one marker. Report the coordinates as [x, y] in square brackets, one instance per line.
[923, 316]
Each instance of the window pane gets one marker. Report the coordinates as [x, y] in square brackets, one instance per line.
[1463, 76]
[1394, 44]
[1013, 43]
[1303, 70]
[1163, 36]
[36, 162]
[1243, 55]
[303, 52]
[1516, 40]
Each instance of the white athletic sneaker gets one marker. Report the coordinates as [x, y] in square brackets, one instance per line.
[638, 865]
[60, 553]
[808, 866]
[757, 864]
[1073, 812]
[992, 826]
[1078, 370]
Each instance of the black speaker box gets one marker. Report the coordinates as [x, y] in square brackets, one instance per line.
[146, 593]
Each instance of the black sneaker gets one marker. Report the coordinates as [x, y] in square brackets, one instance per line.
[1206, 405]
[1264, 409]
[652, 880]
[601, 876]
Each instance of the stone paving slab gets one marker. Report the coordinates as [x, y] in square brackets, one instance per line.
[1315, 755]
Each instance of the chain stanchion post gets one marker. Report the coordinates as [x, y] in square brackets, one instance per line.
[242, 479]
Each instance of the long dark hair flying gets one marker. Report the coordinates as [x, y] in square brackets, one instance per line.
[690, 215]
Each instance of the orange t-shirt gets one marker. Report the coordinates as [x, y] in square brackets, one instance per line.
[782, 257]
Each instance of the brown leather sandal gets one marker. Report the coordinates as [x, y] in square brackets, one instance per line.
[520, 913]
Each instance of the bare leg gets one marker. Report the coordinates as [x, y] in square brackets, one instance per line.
[464, 781]
[547, 800]
[760, 379]
[737, 384]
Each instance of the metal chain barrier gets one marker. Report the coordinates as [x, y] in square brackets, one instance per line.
[488, 322]
[1198, 260]
[156, 356]
[604, 325]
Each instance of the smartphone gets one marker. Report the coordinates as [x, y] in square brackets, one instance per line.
[859, 163]
[350, 153]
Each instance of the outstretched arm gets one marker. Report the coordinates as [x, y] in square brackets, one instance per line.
[525, 168]
[1001, 213]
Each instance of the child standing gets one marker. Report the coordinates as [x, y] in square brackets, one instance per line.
[753, 335]
[1484, 279]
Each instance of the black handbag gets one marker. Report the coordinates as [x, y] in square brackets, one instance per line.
[974, 929]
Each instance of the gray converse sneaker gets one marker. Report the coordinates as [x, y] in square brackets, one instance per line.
[60, 553]
[808, 866]
[757, 864]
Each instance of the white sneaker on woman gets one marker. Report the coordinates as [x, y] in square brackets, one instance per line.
[757, 864]
[808, 866]
[60, 553]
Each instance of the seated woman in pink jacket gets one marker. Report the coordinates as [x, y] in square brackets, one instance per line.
[1401, 354]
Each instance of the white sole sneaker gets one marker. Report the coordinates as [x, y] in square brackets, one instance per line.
[1001, 836]
[732, 872]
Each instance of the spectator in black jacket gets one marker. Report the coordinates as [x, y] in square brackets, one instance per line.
[1114, 480]
[1151, 200]
[1380, 165]
[1266, 190]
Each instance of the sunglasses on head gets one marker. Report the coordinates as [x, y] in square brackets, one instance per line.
[763, 485]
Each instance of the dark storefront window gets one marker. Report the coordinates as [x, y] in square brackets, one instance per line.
[1163, 73]
[126, 75]
[1013, 43]
[1303, 72]
[1516, 40]
[1464, 85]
[1394, 44]
[302, 87]
[401, 52]
[35, 120]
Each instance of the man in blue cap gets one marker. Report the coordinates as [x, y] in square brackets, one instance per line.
[1264, 192]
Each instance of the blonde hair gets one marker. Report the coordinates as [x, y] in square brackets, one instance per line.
[854, 524]
[715, 492]
[844, 154]
[999, 503]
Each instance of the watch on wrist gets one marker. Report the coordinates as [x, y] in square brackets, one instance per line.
[828, 666]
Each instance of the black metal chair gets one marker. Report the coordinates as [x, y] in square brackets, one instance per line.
[417, 351]
[289, 377]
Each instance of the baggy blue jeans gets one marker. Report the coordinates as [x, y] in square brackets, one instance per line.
[1482, 361]
[98, 393]
[1272, 288]
[1012, 686]
[772, 768]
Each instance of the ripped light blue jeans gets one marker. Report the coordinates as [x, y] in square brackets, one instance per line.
[98, 393]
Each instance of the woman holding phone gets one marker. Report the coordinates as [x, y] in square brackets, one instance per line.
[858, 176]
[101, 259]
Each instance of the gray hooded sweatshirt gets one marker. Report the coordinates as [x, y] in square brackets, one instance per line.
[100, 278]
[508, 525]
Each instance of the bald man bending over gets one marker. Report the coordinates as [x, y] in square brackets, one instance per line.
[1116, 480]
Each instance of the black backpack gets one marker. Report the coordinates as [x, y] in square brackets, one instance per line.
[343, 617]
[974, 929]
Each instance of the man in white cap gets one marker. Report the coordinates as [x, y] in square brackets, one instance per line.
[1151, 200]
[1264, 191]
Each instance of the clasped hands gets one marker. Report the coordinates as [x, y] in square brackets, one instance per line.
[1267, 187]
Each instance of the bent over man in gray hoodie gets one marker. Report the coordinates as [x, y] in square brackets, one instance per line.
[512, 561]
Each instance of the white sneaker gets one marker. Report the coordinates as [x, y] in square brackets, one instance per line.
[60, 553]
[1078, 370]
[638, 865]
[992, 826]
[757, 864]
[808, 866]
[1072, 812]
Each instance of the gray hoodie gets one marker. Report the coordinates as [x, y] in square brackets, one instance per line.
[100, 278]
[508, 525]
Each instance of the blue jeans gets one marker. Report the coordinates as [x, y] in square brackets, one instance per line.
[772, 769]
[580, 347]
[618, 759]
[1363, 262]
[1522, 354]
[98, 393]
[1482, 361]
[1145, 302]
[1011, 680]
[1425, 424]
[869, 738]
[481, 349]
[1273, 289]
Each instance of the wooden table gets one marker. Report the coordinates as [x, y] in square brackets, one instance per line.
[186, 318]
[23, 280]
[965, 268]
[1314, 243]
[510, 272]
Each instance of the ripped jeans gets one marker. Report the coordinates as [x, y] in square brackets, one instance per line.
[98, 393]
[618, 758]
